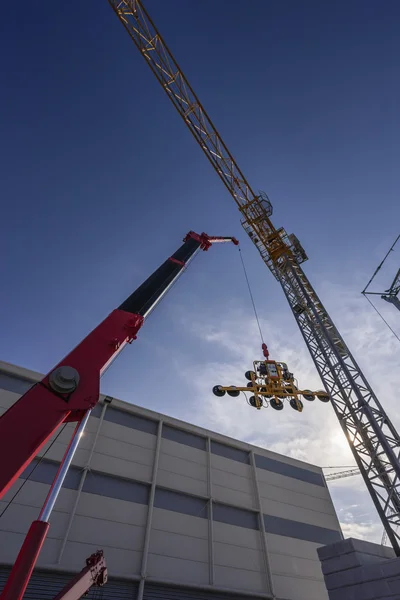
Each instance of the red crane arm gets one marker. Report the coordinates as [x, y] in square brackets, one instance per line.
[73, 386]
[94, 574]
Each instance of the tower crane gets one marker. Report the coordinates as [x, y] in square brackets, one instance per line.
[373, 440]
[341, 474]
[390, 295]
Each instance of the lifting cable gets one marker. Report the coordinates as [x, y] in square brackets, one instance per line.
[251, 296]
[383, 318]
[31, 472]
[367, 294]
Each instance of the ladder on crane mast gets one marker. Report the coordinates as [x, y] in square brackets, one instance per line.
[373, 440]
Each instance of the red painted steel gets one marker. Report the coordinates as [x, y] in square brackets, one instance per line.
[38, 413]
[27, 557]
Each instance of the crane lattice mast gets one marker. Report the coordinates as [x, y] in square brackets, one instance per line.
[373, 440]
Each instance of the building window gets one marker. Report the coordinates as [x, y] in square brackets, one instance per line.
[301, 531]
[11, 383]
[183, 437]
[45, 471]
[182, 503]
[235, 516]
[122, 417]
[282, 468]
[241, 456]
[116, 487]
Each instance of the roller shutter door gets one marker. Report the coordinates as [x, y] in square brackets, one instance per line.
[45, 585]
[162, 592]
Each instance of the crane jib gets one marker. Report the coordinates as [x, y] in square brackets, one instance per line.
[373, 440]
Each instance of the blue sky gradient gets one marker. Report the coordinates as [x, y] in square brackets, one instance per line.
[101, 180]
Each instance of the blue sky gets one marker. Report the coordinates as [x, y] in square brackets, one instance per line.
[101, 180]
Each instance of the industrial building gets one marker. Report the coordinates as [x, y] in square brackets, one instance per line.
[180, 512]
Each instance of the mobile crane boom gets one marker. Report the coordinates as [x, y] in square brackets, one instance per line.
[94, 574]
[70, 391]
[373, 440]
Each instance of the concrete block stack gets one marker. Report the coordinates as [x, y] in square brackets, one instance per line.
[359, 570]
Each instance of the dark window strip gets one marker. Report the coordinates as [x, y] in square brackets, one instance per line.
[301, 531]
[46, 470]
[232, 515]
[282, 468]
[182, 503]
[95, 482]
[241, 456]
[116, 487]
[183, 437]
[122, 417]
[15, 384]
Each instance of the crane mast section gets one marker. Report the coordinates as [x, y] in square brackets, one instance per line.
[373, 440]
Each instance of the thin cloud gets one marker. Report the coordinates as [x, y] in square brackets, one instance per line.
[314, 435]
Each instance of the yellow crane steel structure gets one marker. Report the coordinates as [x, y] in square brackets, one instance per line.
[373, 440]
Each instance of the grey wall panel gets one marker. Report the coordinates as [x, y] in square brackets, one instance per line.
[278, 494]
[237, 536]
[287, 547]
[299, 588]
[166, 520]
[230, 466]
[171, 448]
[239, 579]
[298, 513]
[183, 437]
[293, 566]
[7, 399]
[289, 484]
[224, 494]
[113, 487]
[124, 469]
[121, 511]
[120, 561]
[228, 555]
[276, 466]
[232, 481]
[235, 516]
[181, 483]
[121, 417]
[183, 503]
[182, 467]
[117, 535]
[124, 450]
[126, 434]
[177, 569]
[178, 546]
[303, 531]
[236, 454]
[18, 518]
[11, 383]
[34, 494]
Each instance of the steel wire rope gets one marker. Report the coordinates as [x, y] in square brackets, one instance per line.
[251, 295]
[383, 318]
[34, 468]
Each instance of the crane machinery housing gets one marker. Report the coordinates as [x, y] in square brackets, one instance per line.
[373, 440]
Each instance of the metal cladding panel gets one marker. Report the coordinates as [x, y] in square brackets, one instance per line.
[11, 383]
[183, 437]
[168, 568]
[45, 585]
[283, 468]
[163, 592]
[301, 589]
